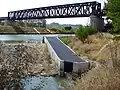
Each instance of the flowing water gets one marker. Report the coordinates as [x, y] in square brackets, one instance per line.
[29, 37]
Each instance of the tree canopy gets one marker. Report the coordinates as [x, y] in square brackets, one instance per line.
[113, 12]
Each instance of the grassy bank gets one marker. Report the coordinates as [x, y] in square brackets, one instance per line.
[18, 29]
[91, 49]
[105, 51]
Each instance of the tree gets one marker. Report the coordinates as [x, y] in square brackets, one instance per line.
[113, 12]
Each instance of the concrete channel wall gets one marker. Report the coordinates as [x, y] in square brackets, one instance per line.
[58, 61]
[77, 66]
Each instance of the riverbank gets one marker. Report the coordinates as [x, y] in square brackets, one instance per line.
[103, 50]
[36, 54]
[22, 59]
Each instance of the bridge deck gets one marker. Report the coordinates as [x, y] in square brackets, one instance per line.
[63, 52]
[85, 9]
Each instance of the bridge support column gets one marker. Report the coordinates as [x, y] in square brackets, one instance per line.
[97, 22]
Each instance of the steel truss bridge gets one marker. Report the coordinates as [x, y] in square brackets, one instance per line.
[60, 11]
[3, 18]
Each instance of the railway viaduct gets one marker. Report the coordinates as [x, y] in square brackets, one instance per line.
[86, 9]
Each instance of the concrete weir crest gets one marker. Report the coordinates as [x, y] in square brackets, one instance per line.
[65, 57]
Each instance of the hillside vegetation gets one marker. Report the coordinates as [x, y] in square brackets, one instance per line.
[105, 51]
[10, 29]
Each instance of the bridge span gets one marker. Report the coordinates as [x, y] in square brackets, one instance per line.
[86, 9]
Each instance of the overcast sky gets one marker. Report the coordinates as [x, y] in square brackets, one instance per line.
[10, 5]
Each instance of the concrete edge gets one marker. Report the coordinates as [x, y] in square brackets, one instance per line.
[60, 63]
[51, 47]
[77, 66]
[72, 51]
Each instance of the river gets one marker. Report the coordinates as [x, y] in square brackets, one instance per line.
[30, 36]
[40, 82]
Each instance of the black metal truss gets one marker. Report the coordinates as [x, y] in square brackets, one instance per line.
[3, 18]
[59, 11]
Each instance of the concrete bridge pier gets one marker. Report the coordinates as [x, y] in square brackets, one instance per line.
[97, 22]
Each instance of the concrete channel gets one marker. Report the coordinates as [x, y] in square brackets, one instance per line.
[65, 57]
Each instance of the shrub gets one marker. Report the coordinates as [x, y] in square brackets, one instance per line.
[90, 30]
[83, 31]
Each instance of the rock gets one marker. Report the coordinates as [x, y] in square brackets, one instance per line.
[34, 55]
[43, 74]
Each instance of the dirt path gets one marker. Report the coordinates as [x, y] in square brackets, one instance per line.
[104, 47]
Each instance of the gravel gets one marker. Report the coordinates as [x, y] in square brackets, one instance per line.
[36, 55]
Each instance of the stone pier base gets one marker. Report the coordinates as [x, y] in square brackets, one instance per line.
[97, 22]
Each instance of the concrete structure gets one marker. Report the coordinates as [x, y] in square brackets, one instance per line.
[54, 55]
[64, 57]
[85, 9]
[97, 22]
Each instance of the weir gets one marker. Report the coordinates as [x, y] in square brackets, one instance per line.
[65, 58]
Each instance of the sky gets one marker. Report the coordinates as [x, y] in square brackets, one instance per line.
[12, 5]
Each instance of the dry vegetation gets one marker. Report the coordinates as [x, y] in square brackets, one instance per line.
[5, 29]
[106, 52]
[93, 47]
[100, 78]
[26, 30]
[20, 60]
[10, 29]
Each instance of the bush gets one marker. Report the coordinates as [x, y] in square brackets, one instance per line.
[90, 30]
[83, 31]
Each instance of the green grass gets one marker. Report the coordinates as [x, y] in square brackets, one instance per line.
[116, 38]
[65, 40]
